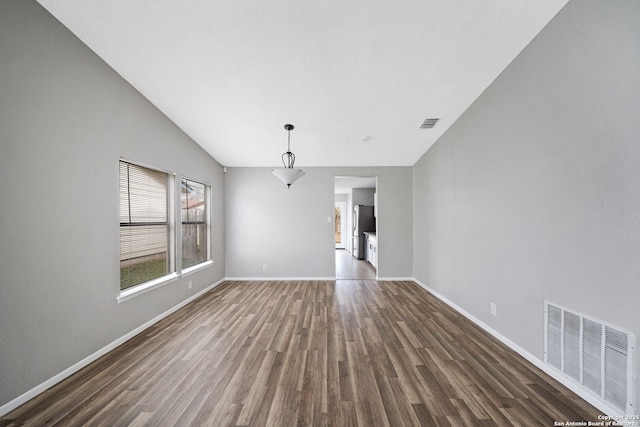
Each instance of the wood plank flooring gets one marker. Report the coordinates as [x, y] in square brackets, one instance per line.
[335, 353]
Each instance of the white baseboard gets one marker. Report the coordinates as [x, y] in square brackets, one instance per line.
[10, 406]
[396, 279]
[524, 353]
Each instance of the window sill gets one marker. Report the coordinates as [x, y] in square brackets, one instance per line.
[196, 267]
[159, 282]
[146, 287]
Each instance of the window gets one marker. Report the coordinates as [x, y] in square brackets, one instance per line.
[145, 224]
[195, 223]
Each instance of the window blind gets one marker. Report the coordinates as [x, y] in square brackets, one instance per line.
[144, 224]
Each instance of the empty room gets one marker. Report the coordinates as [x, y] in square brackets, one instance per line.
[331, 213]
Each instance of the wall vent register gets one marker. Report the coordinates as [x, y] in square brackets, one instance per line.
[428, 123]
[596, 355]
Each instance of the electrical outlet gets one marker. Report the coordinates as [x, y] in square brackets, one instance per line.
[264, 267]
[190, 284]
[329, 219]
[493, 309]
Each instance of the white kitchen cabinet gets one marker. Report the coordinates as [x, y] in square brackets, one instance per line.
[371, 249]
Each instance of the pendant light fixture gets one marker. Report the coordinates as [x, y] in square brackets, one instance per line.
[288, 174]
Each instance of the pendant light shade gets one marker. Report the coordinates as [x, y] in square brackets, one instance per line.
[288, 174]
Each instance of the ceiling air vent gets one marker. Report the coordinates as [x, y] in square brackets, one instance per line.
[596, 355]
[428, 123]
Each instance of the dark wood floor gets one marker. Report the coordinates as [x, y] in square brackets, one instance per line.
[348, 267]
[334, 353]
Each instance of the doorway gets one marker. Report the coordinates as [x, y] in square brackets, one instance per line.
[353, 196]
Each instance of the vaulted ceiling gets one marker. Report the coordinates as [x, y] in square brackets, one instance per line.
[356, 78]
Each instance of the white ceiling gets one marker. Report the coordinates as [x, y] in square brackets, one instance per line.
[356, 78]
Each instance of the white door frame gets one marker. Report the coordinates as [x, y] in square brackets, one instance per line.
[344, 215]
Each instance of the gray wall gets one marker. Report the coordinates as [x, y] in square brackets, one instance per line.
[534, 193]
[362, 196]
[65, 118]
[287, 229]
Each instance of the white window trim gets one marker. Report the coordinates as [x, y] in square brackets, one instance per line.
[141, 288]
[145, 287]
[207, 201]
[197, 267]
[175, 227]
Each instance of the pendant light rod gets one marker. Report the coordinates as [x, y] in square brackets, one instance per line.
[289, 128]
[289, 156]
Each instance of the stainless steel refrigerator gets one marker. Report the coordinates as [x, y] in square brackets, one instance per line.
[363, 220]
